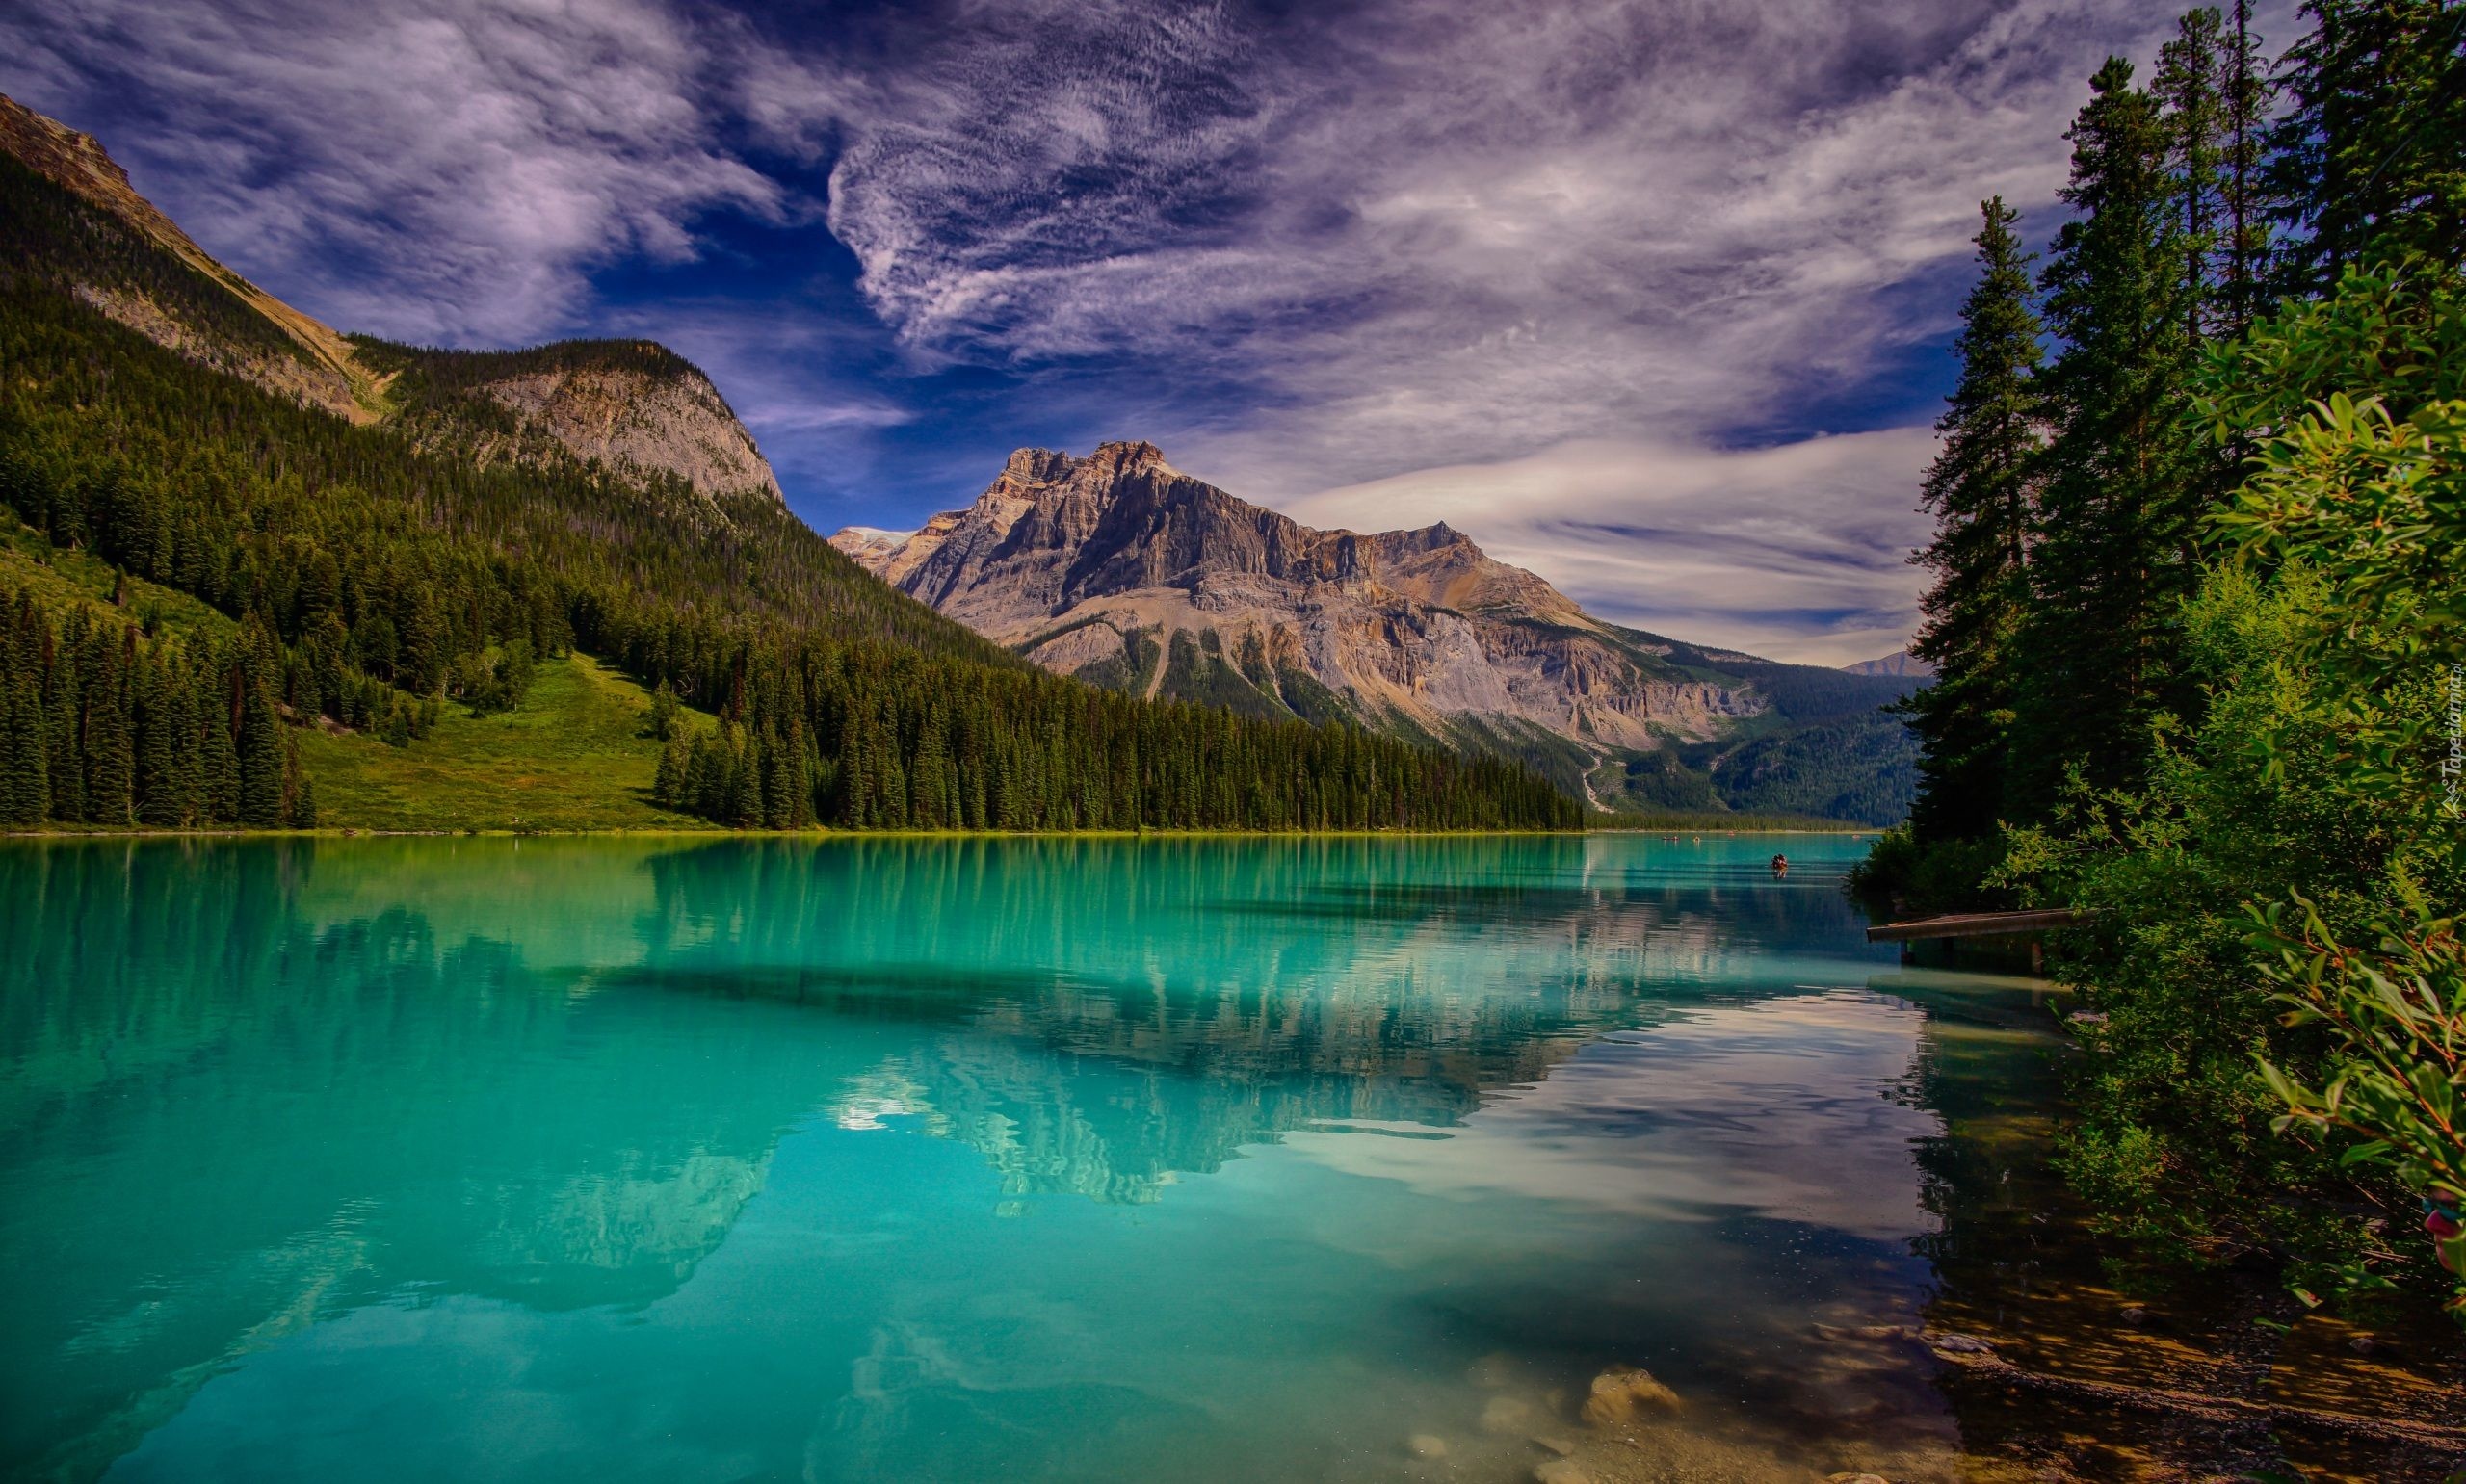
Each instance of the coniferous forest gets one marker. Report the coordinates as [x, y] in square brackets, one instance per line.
[378, 571]
[2198, 616]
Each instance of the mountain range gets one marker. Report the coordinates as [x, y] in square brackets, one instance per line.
[381, 496]
[257, 573]
[1123, 571]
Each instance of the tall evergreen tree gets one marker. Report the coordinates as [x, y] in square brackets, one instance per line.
[2244, 104]
[1981, 489]
[2190, 86]
[104, 731]
[218, 751]
[25, 768]
[2120, 507]
[2369, 160]
[261, 759]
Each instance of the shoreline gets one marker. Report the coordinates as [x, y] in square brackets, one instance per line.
[357, 832]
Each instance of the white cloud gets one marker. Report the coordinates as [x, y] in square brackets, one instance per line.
[439, 169]
[1368, 256]
[1444, 249]
[1796, 551]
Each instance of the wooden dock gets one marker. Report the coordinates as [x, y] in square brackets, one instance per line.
[1975, 924]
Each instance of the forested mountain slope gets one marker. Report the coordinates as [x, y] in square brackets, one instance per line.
[1122, 570]
[468, 516]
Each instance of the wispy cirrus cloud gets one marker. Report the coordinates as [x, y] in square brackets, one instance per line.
[1610, 256]
[439, 169]
[1800, 550]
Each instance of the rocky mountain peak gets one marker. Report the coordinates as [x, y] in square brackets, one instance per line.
[324, 374]
[1038, 466]
[1116, 460]
[79, 162]
[1120, 569]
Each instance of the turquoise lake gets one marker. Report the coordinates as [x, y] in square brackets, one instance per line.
[971, 1160]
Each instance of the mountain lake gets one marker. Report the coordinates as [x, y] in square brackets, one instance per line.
[1315, 1159]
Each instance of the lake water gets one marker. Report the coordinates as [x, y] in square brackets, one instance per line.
[938, 1159]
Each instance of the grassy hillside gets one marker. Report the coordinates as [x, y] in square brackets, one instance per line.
[575, 755]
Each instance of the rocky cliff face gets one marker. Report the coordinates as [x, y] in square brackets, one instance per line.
[677, 423]
[310, 363]
[1120, 567]
[665, 420]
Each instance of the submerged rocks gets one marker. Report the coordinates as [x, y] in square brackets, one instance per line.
[1426, 1444]
[1558, 1471]
[1506, 1414]
[1622, 1391]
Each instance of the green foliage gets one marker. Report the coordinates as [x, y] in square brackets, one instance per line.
[2376, 500]
[2238, 705]
[2315, 785]
[1906, 876]
[2173, 1140]
[2369, 488]
[2396, 1082]
[664, 711]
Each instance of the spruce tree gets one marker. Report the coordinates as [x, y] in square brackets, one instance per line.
[2244, 252]
[63, 706]
[1981, 489]
[261, 761]
[2191, 87]
[161, 800]
[106, 732]
[2369, 161]
[2119, 506]
[25, 783]
[218, 690]
[299, 802]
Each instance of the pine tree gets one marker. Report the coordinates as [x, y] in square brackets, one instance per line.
[105, 733]
[670, 783]
[299, 804]
[2119, 506]
[63, 705]
[2244, 108]
[161, 800]
[261, 760]
[219, 692]
[25, 783]
[1981, 489]
[2369, 162]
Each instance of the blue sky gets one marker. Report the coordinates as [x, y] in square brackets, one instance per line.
[1649, 296]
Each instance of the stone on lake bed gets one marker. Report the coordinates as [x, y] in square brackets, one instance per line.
[1506, 1414]
[1559, 1445]
[1557, 1471]
[1427, 1444]
[1856, 1479]
[1620, 1392]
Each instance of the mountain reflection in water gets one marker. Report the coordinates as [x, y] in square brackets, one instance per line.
[1090, 1158]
